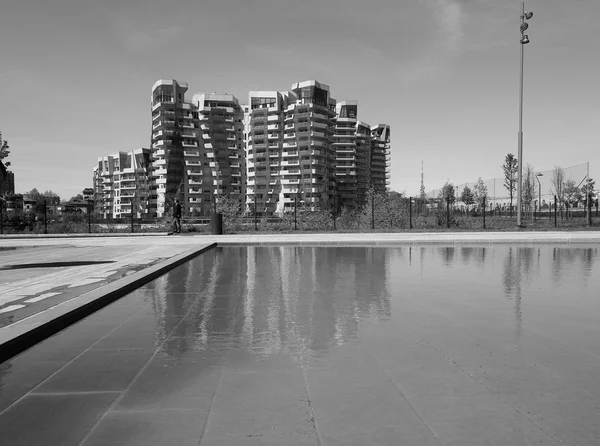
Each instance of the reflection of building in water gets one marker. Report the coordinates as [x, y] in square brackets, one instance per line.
[305, 299]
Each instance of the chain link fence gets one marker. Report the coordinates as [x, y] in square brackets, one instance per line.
[499, 196]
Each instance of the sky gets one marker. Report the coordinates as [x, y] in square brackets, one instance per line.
[76, 77]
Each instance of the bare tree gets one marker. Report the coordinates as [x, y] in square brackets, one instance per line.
[528, 187]
[558, 185]
[480, 191]
[510, 168]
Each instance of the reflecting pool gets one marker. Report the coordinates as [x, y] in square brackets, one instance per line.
[421, 345]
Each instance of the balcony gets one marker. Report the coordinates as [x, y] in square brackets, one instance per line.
[190, 144]
[162, 104]
[287, 145]
[186, 153]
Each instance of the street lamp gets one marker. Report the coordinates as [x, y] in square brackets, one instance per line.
[537, 177]
[524, 40]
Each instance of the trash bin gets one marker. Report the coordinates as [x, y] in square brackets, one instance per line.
[216, 224]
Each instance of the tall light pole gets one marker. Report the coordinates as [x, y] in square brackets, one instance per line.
[537, 177]
[524, 40]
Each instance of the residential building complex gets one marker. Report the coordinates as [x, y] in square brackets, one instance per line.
[122, 182]
[283, 149]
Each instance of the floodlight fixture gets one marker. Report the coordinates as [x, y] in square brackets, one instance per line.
[528, 15]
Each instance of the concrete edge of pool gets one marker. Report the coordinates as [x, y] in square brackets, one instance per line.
[27, 332]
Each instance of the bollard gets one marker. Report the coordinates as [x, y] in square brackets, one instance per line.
[216, 223]
[555, 210]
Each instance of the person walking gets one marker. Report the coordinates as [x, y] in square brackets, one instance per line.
[177, 216]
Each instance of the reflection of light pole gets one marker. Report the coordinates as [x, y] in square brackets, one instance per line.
[537, 177]
[524, 41]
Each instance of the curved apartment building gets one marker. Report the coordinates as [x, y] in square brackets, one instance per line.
[309, 155]
[221, 154]
[380, 158]
[174, 145]
[197, 149]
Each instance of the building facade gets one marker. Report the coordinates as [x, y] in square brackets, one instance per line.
[380, 158]
[219, 156]
[123, 184]
[175, 157]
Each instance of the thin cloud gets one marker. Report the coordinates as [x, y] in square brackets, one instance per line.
[449, 18]
[136, 40]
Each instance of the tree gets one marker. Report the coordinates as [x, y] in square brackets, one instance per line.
[572, 193]
[558, 184]
[467, 196]
[480, 192]
[528, 187]
[77, 197]
[510, 167]
[587, 189]
[390, 207]
[4, 151]
[42, 199]
[447, 193]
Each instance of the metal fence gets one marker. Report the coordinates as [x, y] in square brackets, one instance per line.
[384, 214]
